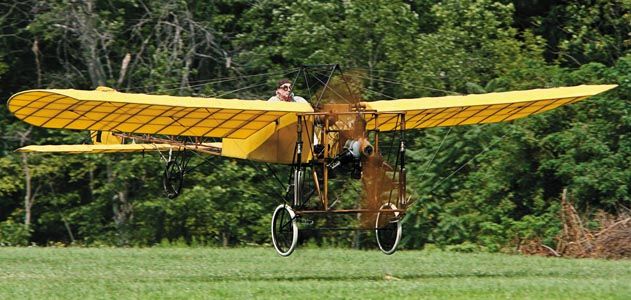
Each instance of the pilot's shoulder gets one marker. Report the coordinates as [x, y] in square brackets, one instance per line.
[300, 99]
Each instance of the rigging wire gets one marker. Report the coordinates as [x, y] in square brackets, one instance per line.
[199, 83]
[306, 79]
[370, 70]
[247, 76]
[385, 80]
[470, 160]
[326, 85]
[270, 170]
[435, 153]
[331, 89]
[391, 81]
[381, 79]
[380, 93]
[239, 89]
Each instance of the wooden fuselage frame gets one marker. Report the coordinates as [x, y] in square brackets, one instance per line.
[332, 128]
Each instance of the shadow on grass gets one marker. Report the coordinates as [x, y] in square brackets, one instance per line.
[333, 277]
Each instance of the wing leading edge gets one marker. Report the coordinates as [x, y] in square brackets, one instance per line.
[478, 108]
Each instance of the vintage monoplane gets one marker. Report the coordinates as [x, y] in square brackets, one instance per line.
[321, 141]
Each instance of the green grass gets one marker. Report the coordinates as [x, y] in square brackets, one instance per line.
[185, 273]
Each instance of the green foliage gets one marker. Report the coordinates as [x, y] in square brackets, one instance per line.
[583, 32]
[14, 233]
[480, 43]
[9, 170]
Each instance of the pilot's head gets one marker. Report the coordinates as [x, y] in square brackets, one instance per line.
[284, 89]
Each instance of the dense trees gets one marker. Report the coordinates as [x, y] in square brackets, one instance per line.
[489, 185]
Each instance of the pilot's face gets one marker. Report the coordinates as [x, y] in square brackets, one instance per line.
[284, 92]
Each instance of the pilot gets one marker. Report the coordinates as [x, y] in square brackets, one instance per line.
[284, 93]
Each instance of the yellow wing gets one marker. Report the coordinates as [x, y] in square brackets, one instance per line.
[148, 114]
[478, 108]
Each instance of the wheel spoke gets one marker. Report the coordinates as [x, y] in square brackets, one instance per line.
[287, 225]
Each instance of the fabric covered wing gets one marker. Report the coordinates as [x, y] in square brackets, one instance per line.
[478, 108]
[148, 114]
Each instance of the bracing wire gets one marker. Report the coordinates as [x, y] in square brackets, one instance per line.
[435, 153]
[380, 93]
[332, 90]
[240, 89]
[381, 79]
[390, 81]
[393, 72]
[247, 76]
[199, 83]
[470, 160]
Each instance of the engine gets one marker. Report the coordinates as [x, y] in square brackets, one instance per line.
[350, 156]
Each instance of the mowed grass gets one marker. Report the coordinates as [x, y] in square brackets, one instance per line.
[194, 273]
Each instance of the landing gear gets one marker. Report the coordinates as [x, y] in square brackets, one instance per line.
[174, 170]
[388, 228]
[172, 179]
[284, 230]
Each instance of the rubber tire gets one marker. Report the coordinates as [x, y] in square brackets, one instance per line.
[285, 210]
[390, 249]
[172, 184]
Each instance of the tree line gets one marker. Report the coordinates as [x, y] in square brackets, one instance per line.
[488, 185]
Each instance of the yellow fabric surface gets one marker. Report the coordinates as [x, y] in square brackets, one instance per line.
[477, 109]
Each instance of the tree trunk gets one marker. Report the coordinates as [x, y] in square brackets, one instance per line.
[29, 196]
[38, 66]
[29, 193]
[224, 237]
[89, 38]
[121, 208]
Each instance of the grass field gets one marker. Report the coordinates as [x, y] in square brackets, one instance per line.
[185, 273]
